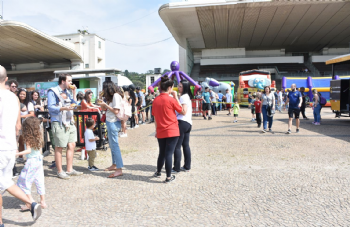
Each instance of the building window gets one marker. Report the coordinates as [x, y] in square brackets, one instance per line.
[152, 79]
[86, 66]
[99, 44]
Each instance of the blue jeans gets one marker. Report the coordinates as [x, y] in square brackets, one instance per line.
[113, 128]
[317, 113]
[220, 105]
[266, 118]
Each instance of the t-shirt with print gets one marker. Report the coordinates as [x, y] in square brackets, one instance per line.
[185, 99]
[236, 109]
[115, 104]
[257, 105]
[294, 97]
[206, 96]
[89, 134]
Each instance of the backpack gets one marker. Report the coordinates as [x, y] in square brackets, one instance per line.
[125, 111]
[323, 100]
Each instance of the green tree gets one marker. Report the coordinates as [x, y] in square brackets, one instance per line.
[166, 70]
[126, 73]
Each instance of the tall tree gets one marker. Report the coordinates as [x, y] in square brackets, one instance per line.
[166, 70]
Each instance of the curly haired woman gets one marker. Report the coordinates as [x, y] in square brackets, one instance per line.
[33, 170]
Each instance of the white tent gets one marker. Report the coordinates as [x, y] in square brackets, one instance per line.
[123, 80]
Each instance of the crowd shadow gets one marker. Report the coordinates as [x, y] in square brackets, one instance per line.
[10, 202]
[104, 174]
[332, 127]
[10, 222]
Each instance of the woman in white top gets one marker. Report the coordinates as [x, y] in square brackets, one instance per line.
[113, 97]
[268, 104]
[24, 97]
[185, 126]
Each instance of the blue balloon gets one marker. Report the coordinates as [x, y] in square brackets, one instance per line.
[259, 83]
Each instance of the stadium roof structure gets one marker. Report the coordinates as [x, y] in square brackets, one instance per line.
[20, 43]
[296, 26]
[339, 59]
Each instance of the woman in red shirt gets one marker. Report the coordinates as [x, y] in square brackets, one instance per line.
[167, 126]
[86, 102]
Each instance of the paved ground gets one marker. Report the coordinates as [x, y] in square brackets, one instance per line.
[240, 177]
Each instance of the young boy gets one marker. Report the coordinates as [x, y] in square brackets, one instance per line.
[258, 107]
[252, 107]
[235, 111]
[90, 143]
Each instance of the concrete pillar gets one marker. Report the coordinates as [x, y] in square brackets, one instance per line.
[76, 64]
[183, 59]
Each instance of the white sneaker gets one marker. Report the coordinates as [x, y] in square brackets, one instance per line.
[136, 126]
[123, 135]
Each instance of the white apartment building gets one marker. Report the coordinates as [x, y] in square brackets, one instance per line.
[90, 47]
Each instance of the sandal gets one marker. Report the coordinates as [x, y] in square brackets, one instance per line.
[111, 168]
[113, 175]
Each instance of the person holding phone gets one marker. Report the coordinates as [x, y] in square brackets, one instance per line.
[167, 127]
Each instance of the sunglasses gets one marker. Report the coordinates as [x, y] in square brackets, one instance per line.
[14, 86]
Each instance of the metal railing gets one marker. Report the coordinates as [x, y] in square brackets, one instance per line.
[80, 125]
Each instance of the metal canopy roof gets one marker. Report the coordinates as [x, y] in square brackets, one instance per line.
[338, 59]
[297, 26]
[87, 71]
[20, 43]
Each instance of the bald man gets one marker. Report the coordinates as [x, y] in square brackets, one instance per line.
[295, 100]
[9, 129]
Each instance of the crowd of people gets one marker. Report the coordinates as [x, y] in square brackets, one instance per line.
[21, 126]
[264, 103]
[21, 131]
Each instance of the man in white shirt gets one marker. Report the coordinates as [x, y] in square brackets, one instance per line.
[9, 128]
[228, 101]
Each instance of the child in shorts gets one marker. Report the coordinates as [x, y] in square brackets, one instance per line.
[258, 106]
[252, 108]
[235, 111]
[90, 143]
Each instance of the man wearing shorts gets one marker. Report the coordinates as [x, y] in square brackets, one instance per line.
[295, 100]
[63, 136]
[206, 103]
[10, 125]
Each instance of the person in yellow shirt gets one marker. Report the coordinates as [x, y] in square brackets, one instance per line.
[235, 111]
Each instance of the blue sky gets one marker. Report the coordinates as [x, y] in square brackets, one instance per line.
[67, 16]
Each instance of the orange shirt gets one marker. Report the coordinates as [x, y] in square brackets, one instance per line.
[85, 105]
[163, 110]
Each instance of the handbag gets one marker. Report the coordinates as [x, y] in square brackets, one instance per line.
[103, 118]
[270, 110]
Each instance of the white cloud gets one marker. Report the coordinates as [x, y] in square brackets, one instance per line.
[67, 16]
